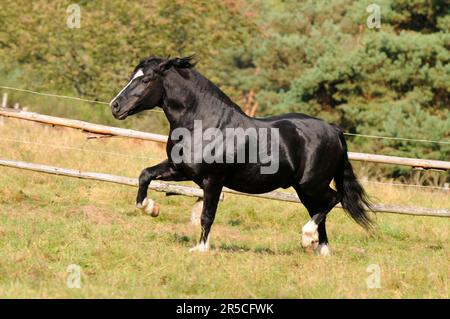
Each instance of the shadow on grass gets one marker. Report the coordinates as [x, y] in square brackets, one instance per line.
[234, 248]
[258, 250]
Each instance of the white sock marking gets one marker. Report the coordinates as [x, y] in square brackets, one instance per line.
[323, 250]
[147, 206]
[310, 236]
[310, 227]
[201, 247]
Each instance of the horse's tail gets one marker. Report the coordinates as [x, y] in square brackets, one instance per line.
[354, 199]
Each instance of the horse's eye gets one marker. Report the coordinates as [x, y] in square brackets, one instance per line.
[146, 79]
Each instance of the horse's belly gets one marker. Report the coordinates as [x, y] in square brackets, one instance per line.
[251, 189]
[249, 182]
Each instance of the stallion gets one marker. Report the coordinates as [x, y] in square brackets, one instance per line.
[306, 153]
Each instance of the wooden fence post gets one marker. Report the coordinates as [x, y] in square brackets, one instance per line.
[4, 105]
[5, 100]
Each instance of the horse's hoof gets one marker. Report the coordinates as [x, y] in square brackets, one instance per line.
[149, 207]
[310, 240]
[310, 237]
[200, 248]
[323, 250]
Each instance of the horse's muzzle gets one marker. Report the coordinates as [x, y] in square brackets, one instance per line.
[115, 108]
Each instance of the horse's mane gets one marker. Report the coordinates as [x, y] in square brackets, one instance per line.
[181, 63]
[206, 85]
[186, 64]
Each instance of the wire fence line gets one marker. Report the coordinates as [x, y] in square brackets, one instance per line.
[76, 149]
[52, 95]
[405, 185]
[61, 96]
[159, 111]
[398, 138]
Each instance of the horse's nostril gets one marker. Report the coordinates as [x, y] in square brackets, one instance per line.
[115, 105]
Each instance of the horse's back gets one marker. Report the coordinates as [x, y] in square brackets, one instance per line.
[312, 131]
[301, 121]
[311, 143]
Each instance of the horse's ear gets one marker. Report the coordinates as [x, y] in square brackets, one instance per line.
[163, 66]
[182, 63]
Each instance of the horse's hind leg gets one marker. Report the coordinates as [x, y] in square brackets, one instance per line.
[212, 189]
[318, 202]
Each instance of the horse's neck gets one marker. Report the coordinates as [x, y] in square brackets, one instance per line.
[195, 98]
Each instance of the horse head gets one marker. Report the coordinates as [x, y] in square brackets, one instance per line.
[145, 90]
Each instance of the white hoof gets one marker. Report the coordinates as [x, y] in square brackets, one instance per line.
[323, 250]
[310, 236]
[196, 213]
[149, 207]
[202, 247]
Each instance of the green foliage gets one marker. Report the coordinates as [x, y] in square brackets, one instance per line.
[94, 60]
[39, 52]
[318, 57]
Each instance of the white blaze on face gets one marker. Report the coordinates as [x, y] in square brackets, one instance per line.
[138, 74]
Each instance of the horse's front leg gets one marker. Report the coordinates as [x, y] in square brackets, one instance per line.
[163, 171]
[212, 188]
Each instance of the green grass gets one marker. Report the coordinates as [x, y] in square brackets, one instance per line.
[49, 222]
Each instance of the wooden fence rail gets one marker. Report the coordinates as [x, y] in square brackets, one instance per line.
[115, 131]
[85, 126]
[197, 192]
[154, 185]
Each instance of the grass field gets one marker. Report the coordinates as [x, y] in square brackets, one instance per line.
[49, 222]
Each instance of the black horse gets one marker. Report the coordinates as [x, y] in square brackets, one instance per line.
[306, 153]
